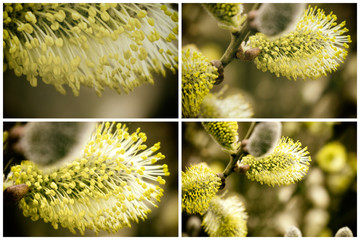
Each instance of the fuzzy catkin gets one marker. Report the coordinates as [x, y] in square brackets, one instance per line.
[314, 48]
[199, 184]
[115, 181]
[264, 138]
[49, 142]
[226, 218]
[276, 19]
[344, 232]
[293, 232]
[287, 164]
[224, 133]
[230, 106]
[198, 78]
[98, 45]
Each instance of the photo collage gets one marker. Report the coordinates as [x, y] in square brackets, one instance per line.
[179, 119]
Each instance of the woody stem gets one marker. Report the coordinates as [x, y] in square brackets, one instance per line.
[238, 155]
[236, 39]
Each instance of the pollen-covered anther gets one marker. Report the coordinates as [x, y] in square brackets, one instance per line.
[90, 32]
[226, 217]
[199, 185]
[198, 78]
[112, 184]
[287, 164]
[316, 47]
[228, 15]
[224, 133]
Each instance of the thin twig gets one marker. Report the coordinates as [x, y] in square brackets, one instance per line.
[236, 39]
[240, 153]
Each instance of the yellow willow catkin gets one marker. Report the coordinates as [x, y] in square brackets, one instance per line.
[198, 78]
[113, 183]
[224, 133]
[287, 164]
[231, 106]
[229, 15]
[199, 184]
[226, 218]
[316, 47]
[98, 45]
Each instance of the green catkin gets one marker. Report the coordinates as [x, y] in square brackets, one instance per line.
[112, 184]
[96, 45]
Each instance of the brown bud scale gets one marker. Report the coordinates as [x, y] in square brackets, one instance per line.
[251, 54]
[14, 194]
[221, 175]
[220, 69]
[240, 168]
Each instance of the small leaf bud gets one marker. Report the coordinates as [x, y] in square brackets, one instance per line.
[248, 55]
[251, 54]
[14, 194]
[220, 70]
[241, 168]
[223, 179]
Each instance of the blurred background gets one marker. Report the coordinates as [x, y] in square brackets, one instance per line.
[163, 221]
[270, 96]
[21, 100]
[324, 201]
